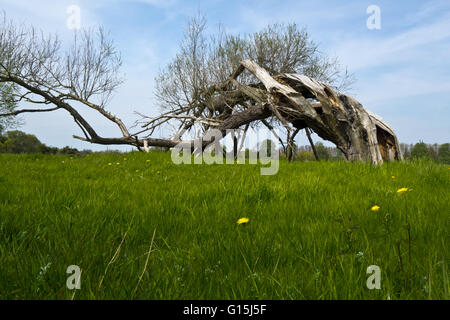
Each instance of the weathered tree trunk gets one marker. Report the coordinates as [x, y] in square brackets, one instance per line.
[357, 132]
[304, 103]
[333, 116]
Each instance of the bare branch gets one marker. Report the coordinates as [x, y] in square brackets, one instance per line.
[15, 113]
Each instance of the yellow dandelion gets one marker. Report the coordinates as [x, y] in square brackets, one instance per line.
[393, 177]
[118, 163]
[148, 160]
[402, 190]
[110, 164]
[375, 208]
[124, 159]
[137, 171]
[243, 220]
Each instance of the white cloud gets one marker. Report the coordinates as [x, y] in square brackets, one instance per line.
[367, 52]
[401, 83]
[429, 9]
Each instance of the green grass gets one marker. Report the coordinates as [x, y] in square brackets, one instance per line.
[311, 233]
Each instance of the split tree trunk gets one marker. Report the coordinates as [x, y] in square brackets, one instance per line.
[299, 101]
[307, 103]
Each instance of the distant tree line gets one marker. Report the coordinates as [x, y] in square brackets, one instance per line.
[439, 153]
[305, 153]
[20, 142]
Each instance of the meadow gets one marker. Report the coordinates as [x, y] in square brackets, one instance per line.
[141, 227]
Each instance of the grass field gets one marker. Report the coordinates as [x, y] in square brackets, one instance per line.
[311, 232]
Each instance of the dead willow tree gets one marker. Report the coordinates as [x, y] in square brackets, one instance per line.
[298, 102]
[239, 94]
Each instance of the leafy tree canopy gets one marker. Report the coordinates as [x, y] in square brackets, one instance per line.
[7, 105]
[444, 153]
[420, 150]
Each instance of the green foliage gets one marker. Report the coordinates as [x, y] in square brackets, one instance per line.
[7, 105]
[311, 233]
[267, 148]
[420, 150]
[247, 153]
[338, 154]
[69, 150]
[305, 156]
[221, 147]
[434, 151]
[322, 151]
[444, 153]
[20, 142]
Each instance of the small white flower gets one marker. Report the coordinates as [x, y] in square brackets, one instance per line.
[360, 256]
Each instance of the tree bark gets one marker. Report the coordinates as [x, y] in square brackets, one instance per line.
[316, 155]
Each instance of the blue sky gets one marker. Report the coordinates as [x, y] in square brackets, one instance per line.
[402, 70]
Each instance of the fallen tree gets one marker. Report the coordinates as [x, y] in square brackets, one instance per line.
[298, 102]
[88, 74]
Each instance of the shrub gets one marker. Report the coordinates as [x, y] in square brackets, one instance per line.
[305, 156]
[20, 142]
[322, 151]
[444, 153]
[420, 150]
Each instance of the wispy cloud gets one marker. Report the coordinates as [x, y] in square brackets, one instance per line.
[402, 83]
[158, 3]
[366, 51]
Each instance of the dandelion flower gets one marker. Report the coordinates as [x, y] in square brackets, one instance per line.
[393, 177]
[118, 163]
[402, 190]
[124, 159]
[110, 164]
[147, 160]
[375, 208]
[243, 220]
[137, 171]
